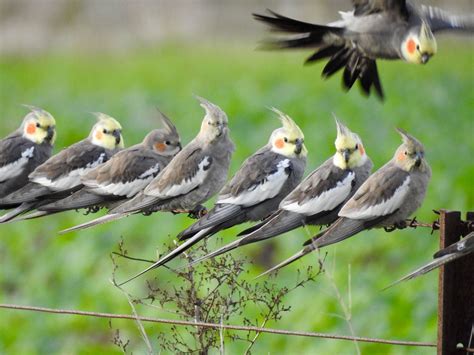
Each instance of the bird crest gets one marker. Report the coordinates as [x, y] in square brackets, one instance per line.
[293, 130]
[167, 124]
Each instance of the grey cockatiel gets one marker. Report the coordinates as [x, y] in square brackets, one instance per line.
[124, 175]
[61, 174]
[257, 188]
[318, 199]
[375, 29]
[386, 199]
[455, 251]
[195, 174]
[26, 148]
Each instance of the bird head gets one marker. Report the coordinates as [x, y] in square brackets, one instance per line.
[289, 139]
[165, 141]
[107, 132]
[214, 124]
[350, 152]
[410, 155]
[419, 45]
[39, 126]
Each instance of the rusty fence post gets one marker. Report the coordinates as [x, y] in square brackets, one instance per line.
[456, 290]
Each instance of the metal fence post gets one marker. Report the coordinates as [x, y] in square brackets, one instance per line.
[456, 290]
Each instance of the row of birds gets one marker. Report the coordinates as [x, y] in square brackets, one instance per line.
[159, 175]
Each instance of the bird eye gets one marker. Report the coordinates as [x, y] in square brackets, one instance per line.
[356, 147]
[167, 142]
[104, 131]
[406, 153]
[417, 47]
[38, 125]
[285, 139]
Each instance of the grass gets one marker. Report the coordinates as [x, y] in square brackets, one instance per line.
[433, 102]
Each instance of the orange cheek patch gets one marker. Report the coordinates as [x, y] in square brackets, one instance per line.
[99, 135]
[31, 128]
[361, 149]
[279, 143]
[411, 46]
[401, 156]
[161, 147]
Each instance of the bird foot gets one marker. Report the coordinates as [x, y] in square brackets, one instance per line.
[198, 212]
[92, 209]
[398, 225]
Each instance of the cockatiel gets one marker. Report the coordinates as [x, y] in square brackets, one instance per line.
[26, 148]
[194, 175]
[375, 29]
[124, 175]
[318, 199]
[61, 174]
[257, 188]
[455, 251]
[386, 199]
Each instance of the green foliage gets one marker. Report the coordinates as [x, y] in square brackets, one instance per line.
[433, 102]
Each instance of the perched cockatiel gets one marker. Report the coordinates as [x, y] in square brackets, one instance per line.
[453, 252]
[386, 199]
[26, 148]
[375, 29]
[257, 188]
[124, 175]
[61, 174]
[194, 175]
[318, 199]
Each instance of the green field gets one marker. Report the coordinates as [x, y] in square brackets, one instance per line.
[434, 102]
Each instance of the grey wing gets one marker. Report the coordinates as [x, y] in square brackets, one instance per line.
[368, 7]
[440, 20]
[15, 153]
[380, 195]
[260, 177]
[78, 156]
[126, 173]
[323, 190]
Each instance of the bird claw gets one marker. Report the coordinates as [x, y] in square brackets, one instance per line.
[389, 229]
[92, 209]
[398, 225]
[198, 212]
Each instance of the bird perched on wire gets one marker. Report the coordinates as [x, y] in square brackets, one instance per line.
[318, 199]
[375, 29]
[257, 188]
[26, 148]
[61, 174]
[195, 174]
[453, 252]
[386, 199]
[124, 175]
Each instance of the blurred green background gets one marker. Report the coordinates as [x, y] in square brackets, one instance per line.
[434, 102]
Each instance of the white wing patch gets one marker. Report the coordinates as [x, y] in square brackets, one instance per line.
[326, 201]
[128, 188]
[270, 187]
[186, 185]
[14, 169]
[72, 179]
[383, 208]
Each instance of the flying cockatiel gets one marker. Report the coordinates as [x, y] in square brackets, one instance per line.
[318, 199]
[61, 174]
[26, 148]
[375, 29]
[386, 199]
[453, 252]
[124, 175]
[195, 174]
[257, 188]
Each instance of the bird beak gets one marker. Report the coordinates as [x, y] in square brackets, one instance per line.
[118, 136]
[425, 58]
[347, 155]
[50, 132]
[418, 159]
[299, 146]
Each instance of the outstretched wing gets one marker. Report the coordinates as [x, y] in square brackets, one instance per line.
[440, 20]
[368, 7]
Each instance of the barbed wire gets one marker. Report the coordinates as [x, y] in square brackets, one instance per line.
[216, 326]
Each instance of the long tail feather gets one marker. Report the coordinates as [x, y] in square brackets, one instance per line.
[79, 199]
[288, 261]
[98, 221]
[34, 215]
[23, 208]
